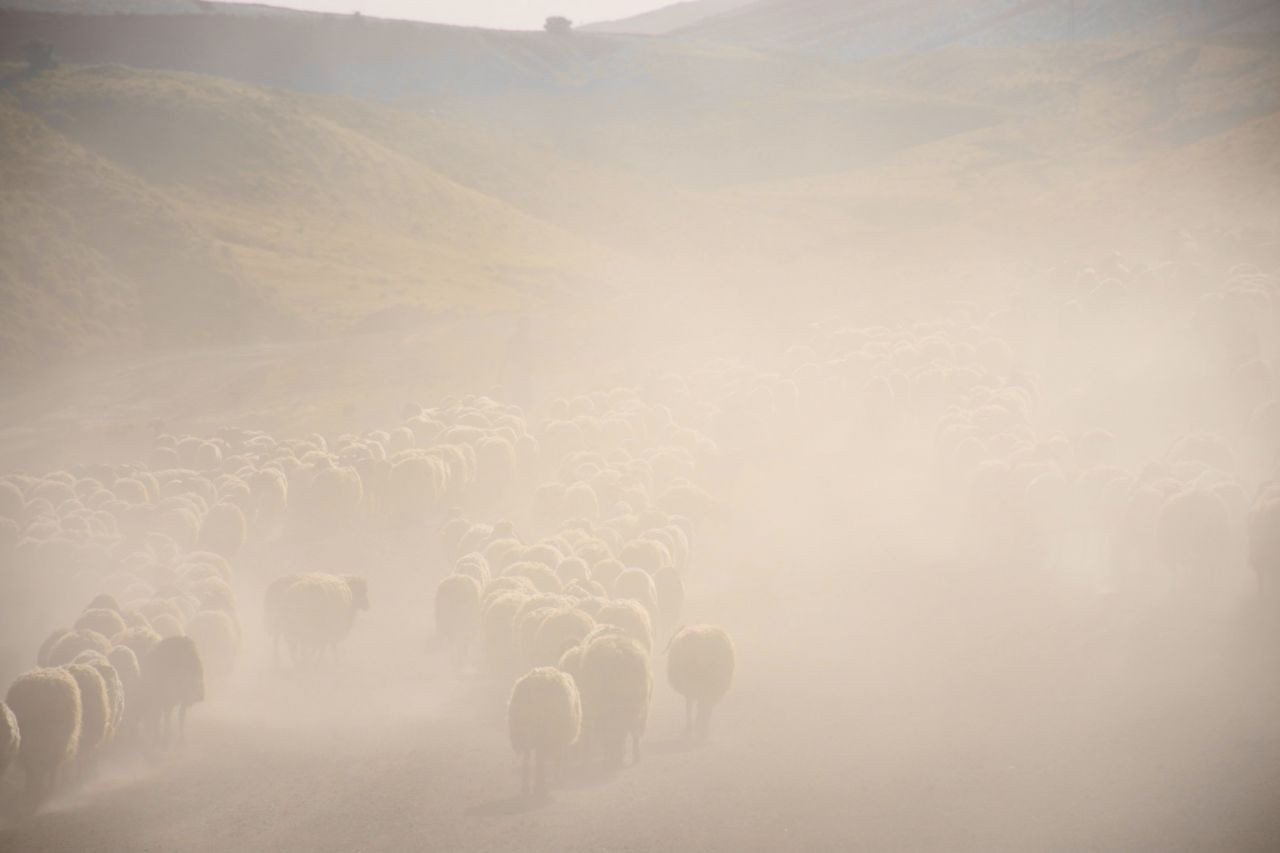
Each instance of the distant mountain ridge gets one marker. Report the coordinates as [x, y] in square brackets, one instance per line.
[667, 19]
[871, 28]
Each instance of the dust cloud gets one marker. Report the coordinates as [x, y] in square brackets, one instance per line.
[765, 425]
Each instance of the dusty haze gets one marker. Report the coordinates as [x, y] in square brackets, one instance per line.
[929, 349]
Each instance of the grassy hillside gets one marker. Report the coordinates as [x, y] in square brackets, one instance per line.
[146, 202]
[91, 256]
[574, 170]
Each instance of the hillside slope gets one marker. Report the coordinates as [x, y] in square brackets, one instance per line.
[91, 257]
[839, 29]
[667, 18]
[171, 197]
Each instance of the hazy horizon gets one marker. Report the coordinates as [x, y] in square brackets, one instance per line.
[494, 14]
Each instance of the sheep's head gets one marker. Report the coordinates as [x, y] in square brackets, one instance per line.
[359, 592]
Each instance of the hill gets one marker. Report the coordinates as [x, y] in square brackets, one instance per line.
[667, 18]
[91, 257]
[175, 198]
[314, 52]
[838, 29]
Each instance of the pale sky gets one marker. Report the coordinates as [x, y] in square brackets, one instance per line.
[506, 14]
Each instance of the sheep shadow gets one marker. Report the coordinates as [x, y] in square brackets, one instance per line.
[509, 806]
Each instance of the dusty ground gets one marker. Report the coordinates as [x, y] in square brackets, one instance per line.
[887, 698]
[872, 710]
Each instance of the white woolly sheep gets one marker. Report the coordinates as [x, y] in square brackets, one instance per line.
[10, 738]
[46, 704]
[95, 713]
[629, 616]
[172, 678]
[497, 627]
[637, 585]
[138, 639]
[558, 631]
[473, 565]
[108, 623]
[64, 651]
[114, 685]
[544, 719]
[617, 685]
[543, 578]
[700, 664]
[314, 612]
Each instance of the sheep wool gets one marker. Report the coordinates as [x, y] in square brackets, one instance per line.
[616, 685]
[544, 718]
[314, 612]
[700, 664]
[95, 710]
[10, 738]
[46, 704]
[172, 678]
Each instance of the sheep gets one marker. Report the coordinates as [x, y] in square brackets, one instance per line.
[172, 677]
[631, 617]
[497, 624]
[139, 639]
[314, 612]
[10, 737]
[64, 651]
[542, 577]
[106, 622]
[559, 630]
[617, 686]
[637, 585]
[96, 712]
[475, 565]
[457, 611]
[111, 679]
[544, 719]
[46, 704]
[700, 663]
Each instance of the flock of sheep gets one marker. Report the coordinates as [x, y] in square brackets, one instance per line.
[607, 482]
[570, 530]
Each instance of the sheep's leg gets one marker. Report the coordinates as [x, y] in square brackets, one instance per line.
[540, 772]
[166, 722]
[524, 773]
[635, 747]
[182, 724]
[688, 717]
